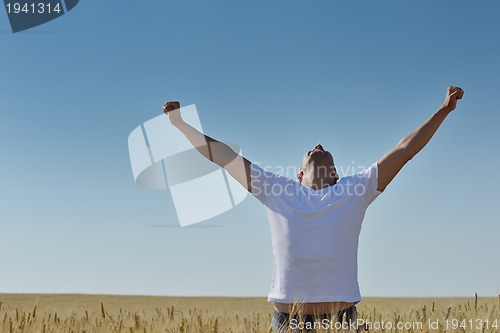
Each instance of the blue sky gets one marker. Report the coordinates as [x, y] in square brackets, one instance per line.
[276, 78]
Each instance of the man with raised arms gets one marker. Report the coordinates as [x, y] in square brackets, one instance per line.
[315, 221]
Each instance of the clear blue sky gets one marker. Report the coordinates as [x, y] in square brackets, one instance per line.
[275, 77]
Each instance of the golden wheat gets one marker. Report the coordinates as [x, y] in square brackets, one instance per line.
[131, 314]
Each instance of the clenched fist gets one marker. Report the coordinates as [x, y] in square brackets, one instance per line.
[172, 109]
[452, 96]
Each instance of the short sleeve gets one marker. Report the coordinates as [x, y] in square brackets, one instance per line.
[266, 184]
[367, 183]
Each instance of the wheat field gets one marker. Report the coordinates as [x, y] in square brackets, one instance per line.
[127, 314]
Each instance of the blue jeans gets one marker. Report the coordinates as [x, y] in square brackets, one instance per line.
[284, 323]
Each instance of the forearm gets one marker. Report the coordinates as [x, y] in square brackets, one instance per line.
[219, 153]
[412, 143]
[214, 150]
[392, 162]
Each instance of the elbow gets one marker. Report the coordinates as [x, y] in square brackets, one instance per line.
[404, 151]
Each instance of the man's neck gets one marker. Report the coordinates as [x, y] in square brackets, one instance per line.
[318, 184]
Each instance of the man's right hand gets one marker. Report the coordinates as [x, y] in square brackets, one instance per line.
[172, 110]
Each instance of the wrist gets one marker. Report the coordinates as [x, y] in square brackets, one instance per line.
[445, 109]
[177, 122]
[175, 118]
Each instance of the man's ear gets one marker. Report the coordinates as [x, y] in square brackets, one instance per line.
[334, 174]
[300, 175]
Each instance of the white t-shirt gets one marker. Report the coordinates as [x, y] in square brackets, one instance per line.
[315, 235]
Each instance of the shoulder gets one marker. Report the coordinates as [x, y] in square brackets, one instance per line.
[259, 172]
[362, 184]
[266, 183]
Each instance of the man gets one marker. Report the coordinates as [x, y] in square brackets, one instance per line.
[315, 222]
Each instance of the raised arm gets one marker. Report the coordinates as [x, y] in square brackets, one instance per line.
[216, 151]
[392, 162]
